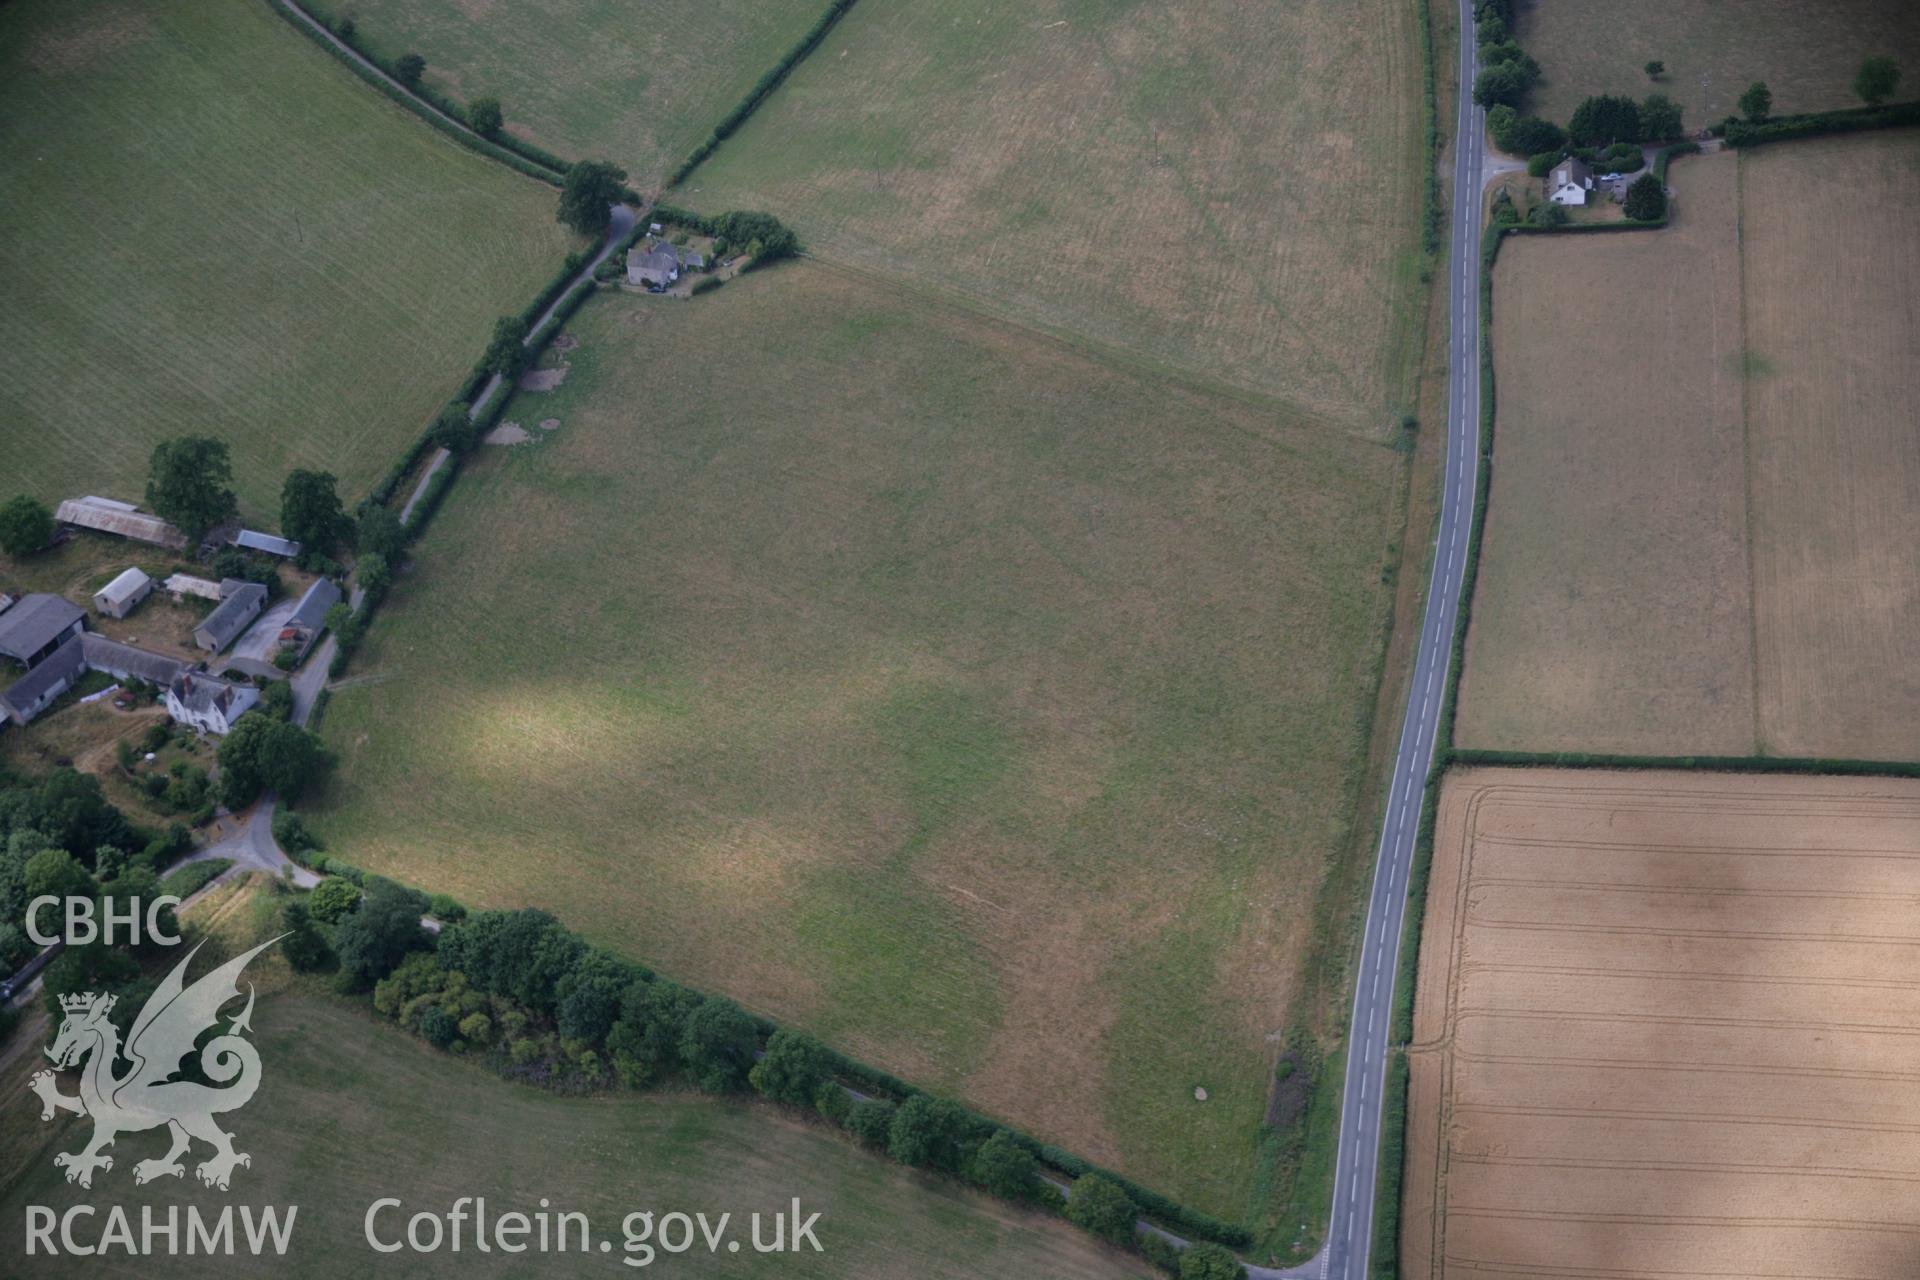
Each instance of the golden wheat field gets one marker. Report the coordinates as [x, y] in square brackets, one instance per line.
[1666, 1027]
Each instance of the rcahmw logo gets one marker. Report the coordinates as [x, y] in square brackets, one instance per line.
[147, 1096]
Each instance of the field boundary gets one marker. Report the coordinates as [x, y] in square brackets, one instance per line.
[762, 89]
[547, 169]
[1814, 124]
[856, 1077]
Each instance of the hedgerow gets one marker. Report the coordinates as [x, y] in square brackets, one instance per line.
[447, 120]
[765, 85]
[1743, 133]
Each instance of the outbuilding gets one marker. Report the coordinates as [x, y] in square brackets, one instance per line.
[122, 519]
[37, 625]
[118, 598]
[241, 605]
[253, 540]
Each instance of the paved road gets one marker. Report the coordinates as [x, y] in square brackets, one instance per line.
[1350, 1238]
[621, 223]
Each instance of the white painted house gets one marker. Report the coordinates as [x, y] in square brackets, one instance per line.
[208, 703]
[1570, 182]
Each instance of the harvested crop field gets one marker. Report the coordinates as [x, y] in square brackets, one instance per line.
[208, 226]
[1227, 189]
[986, 709]
[1613, 609]
[1807, 53]
[640, 86]
[1831, 246]
[1665, 1027]
[1700, 528]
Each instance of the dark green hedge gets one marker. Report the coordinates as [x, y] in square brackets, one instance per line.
[765, 85]
[314, 30]
[1723, 764]
[1384, 1260]
[1742, 133]
[1434, 221]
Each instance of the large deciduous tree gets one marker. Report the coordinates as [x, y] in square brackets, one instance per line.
[1659, 118]
[587, 196]
[25, 526]
[310, 510]
[1877, 80]
[190, 482]
[1756, 104]
[1646, 199]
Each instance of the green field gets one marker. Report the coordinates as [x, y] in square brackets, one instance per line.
[640, 86]
[1807, 53]
[1223, 188]
[207, 225]
[351, 1109]
[990, 710]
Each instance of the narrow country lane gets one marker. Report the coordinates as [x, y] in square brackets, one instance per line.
[1350, 1235]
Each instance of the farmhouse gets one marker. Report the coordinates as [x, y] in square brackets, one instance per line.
[255, 541]
[208, 703]
[118, 598]
[1569, 182]
[660, 264]
[238, 606]
[39, 624]
[121, 519]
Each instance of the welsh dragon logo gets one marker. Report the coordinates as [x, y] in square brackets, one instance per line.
[146, 1096]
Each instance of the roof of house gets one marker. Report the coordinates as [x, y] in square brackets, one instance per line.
[36, 619]
[120, 519]
[233, 613]
[129, 584]
[6, 602]
[661, 257]
[64, 663]
[1573, 170]
[255, 541]
[311, 612]
[200, 693]
[129, 660]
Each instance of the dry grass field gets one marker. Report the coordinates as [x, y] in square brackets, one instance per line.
[1807, 53]
[1700, 532]
[209, 226]
[638, 85]
[1613, 610]
[1223, 188]
[992, 711]
[1831, 245]
[1665, 1028]
[351, 1109]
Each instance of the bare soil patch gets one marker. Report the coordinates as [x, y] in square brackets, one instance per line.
[507, 433]
[1665, 1025]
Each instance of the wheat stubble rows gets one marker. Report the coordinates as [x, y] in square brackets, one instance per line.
[1668, 1025]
